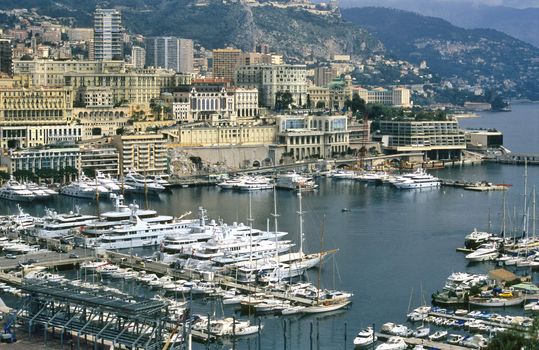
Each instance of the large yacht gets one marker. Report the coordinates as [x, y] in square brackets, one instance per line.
[419, 179]
[237, 248]
[83, 188]
[141, 184]
[54, 225]
[121, 215]
[294, 181]
[15, 191]
[141, 234]
[256, 183]
[487, 251]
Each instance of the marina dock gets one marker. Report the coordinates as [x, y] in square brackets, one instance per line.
[425, 342]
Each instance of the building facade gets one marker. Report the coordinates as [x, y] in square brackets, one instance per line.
[225, 63]
[35, 105]
[138, 57]
[107, 35]
[104, 159]
[170, 53]
[33, 159]
[438, 139]
[197, 136]
[273, 79]
[27, 136]
[6, 56]
[398, 97]
[313, 136]
[143, 153]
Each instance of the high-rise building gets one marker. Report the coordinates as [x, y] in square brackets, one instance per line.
[138, 57]
[225, 62]
[170, 53]
[6, 55]
[107, 34]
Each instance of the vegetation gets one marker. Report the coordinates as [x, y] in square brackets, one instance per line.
[47, 174]
[511, 340]
[469, 54]
[357, 104]
[283, 100]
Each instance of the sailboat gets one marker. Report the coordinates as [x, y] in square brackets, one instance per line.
[327, 300]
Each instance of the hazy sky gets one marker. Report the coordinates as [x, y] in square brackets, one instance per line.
[509, 3]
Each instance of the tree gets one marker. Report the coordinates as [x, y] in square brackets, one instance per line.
[24, 175]
[120, 131]
[309, 102]
[321, 104]
[283, 100]
[357, 104]
[90, 172]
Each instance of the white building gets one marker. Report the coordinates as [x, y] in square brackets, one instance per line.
[107, 34]
[138, 57]
[271, 79]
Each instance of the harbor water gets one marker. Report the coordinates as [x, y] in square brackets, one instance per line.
[395, 248]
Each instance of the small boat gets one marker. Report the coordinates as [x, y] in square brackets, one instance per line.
[393, 343]
[421, 332]
[365, 337]
[439, 335]
[455, 339]
[292, 310]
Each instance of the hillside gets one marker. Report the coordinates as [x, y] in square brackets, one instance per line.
[521, 23]
[295, 33]
[480, 57]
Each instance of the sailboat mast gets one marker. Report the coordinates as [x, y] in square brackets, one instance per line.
[320, 261]
[300, 215]
[503, 216]
[525, 221]
[250, 220]
[533, 213]
[275, 221]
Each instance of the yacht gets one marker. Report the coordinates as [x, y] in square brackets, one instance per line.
[345, 175]
[485, 252]
[121, 215]
[418, 180]
[15, 191]
[237, 248]
[160, 179]
[226, 327]
[365, 337]
[257, 183]
[379, 176]
[294, 181]
[231, 184]
[84, 188]
[476, 238]
[42, 192]
[140, 234]
[54, 225]
[141, 184]
[393, 343]
[108, 182]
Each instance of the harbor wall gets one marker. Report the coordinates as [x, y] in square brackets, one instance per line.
[237, 156]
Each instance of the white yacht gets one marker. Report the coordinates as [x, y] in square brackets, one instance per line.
[256, 183]
[373, 176]
[84, 188]
[393, 343]
[230, 184]
[345, 175]
[108, 182]
[141, 184]
[476, 238]
[365, 338]
[419, 179]
[15, 191]
[140, 234]
[43, 192]
[294, 181]
[121, 215]
[54, 225]
[485, 252]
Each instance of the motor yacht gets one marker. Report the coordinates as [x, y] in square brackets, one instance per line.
[476, 238]
[141, 184]
[294, 181]
[15, 191]
[485, 252]
[393, 343]
[365, 338]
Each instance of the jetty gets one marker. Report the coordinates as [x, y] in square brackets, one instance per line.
[425, 342]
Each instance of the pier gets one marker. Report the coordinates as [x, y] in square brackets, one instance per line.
[227, 282]
[425, 342]
[518, 158]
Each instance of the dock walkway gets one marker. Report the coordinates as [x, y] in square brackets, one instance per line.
[425, 342]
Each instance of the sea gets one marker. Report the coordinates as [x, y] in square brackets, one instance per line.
[394, 248]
